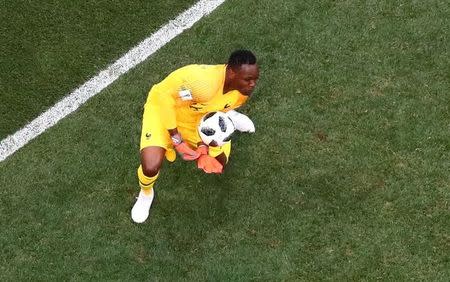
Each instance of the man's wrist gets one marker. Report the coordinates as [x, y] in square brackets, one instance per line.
[176, 139]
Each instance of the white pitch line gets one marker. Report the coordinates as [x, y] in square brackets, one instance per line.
[92, 87]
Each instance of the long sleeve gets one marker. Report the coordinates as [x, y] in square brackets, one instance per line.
[165, 94]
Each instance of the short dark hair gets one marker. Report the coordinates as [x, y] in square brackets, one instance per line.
[241, 57]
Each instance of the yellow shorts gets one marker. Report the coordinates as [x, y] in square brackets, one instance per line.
[154, 134]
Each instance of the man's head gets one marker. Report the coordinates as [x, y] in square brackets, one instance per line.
[242, 72]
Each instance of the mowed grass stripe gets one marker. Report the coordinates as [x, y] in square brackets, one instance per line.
[96, 84]
[346, 177]
[49, 48]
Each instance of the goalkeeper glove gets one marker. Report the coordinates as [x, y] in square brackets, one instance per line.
[186, 152]
[241, 122]
[207, 163]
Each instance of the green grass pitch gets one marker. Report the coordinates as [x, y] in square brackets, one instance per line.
[346, 178]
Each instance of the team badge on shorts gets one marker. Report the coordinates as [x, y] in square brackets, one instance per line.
[148, 135]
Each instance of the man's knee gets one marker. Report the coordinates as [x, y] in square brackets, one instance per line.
[150, 169]
[151, 160]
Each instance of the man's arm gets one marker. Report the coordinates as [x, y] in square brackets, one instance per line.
[186, 152]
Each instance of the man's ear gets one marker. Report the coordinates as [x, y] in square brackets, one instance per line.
[231, 74]
[235, 71]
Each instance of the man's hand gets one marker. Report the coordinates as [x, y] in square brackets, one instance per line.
[186, 152]
[241, 122]
[207, 163]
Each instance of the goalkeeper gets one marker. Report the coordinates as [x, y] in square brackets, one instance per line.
[173, 111]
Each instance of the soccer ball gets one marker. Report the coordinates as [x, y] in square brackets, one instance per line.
[215, 128]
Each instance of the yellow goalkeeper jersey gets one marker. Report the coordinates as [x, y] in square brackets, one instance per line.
[186, 94]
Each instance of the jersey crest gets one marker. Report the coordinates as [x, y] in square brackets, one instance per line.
[197, 107]
[185, 94]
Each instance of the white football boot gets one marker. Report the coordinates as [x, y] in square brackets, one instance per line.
[141, 209]
[241, 122]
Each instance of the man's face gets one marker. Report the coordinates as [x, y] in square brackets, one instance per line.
[244, 79]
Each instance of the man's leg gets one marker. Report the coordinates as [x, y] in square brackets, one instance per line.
[151, 161]
[222, 158]
[222, 154]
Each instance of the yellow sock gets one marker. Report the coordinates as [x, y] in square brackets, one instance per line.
[145, 182]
